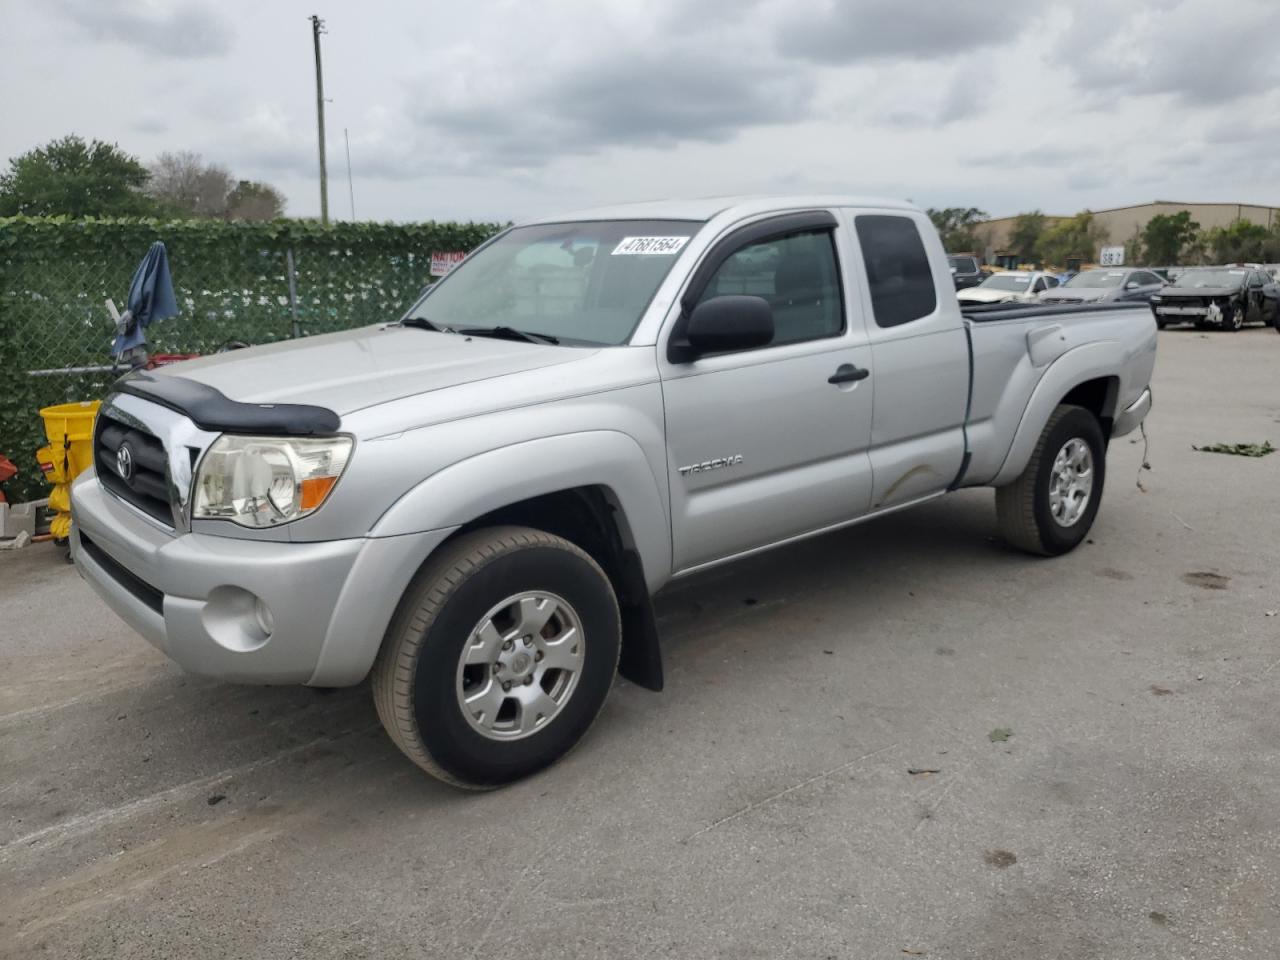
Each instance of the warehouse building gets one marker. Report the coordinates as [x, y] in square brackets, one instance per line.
[1122, 223]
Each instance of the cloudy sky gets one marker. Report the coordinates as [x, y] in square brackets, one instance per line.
[499, 109]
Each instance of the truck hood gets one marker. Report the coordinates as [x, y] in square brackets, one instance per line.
[367, 366]
[979, 295]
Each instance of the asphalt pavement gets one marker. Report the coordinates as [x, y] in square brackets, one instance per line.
[1093, 739]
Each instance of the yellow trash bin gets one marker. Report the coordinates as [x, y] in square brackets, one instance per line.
[69, 429]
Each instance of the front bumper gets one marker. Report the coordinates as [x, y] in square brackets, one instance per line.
[199, 597]
[1133, 415]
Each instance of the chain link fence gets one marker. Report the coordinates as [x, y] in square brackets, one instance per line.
[248, 283]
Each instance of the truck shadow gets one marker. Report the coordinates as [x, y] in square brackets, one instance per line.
[888, 560]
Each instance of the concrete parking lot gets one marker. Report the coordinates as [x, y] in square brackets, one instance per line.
[764, 804]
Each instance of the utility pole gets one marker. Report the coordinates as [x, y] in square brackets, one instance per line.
[351, 190]
[317, 28]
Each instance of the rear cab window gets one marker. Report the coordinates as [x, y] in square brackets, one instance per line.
[898, 273]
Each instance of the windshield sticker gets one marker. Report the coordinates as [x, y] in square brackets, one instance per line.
[663, 246]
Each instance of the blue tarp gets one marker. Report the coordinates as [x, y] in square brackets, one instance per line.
[150, 299]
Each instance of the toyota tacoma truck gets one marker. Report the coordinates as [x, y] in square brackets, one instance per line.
[473, 505]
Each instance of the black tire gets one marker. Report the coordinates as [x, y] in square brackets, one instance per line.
[1023, 507]
[415, 675]
[1201, 323]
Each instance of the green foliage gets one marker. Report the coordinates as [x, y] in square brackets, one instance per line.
[251, 200]
[1243, 241]
[956, 225]
[1238, 449]
[230, 280]
[1024, 238]
[69, 177]
[1077, 237]
[1166, 237]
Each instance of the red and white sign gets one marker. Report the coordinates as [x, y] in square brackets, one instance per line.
[442, 263]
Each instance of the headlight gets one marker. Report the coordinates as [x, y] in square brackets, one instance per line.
[264, 481]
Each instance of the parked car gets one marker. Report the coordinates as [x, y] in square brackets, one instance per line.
[965, 270]
[1225, 297]
[1008, 286]
[1106, 285]
[474, 505]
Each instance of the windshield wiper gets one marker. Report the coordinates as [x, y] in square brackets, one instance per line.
[422, 323]
[508, 333]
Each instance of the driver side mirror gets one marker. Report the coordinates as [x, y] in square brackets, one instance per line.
[1132, 285]
[724, 324]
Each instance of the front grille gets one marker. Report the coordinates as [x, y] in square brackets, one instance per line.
[144, 481]
[144, 591]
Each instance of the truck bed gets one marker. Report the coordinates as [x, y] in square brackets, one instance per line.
[982, 313]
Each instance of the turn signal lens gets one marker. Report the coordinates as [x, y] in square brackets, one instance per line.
[314, 490]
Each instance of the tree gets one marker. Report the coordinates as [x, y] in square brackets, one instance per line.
[1243, 241]
[184, 185]
[73, 178]
[956, 227]
[1024, 238]
[1076, 238]
[1167, 235]
[251, 200]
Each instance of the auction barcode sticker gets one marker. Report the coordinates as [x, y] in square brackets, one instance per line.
[649, 245]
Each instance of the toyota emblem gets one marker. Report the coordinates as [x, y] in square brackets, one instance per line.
[124, 461]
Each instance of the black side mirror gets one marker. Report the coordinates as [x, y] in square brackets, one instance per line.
[728, 323]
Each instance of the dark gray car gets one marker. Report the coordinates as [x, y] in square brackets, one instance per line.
[965, 270]
[1106, 285]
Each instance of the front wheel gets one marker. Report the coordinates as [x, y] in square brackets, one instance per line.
[1050, 508]
[499, 658]
[1233, 318]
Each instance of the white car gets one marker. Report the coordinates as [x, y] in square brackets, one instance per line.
[1009, 286]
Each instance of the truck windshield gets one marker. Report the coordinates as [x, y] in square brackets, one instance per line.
[581, 283]
[1210, 278]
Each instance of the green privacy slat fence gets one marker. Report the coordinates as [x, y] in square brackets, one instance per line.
[231, 281]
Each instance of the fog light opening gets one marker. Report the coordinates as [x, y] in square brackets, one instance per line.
[266, 622]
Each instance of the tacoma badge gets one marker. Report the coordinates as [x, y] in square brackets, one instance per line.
[716, 464]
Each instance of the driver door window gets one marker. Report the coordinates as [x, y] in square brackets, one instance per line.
[797, 275]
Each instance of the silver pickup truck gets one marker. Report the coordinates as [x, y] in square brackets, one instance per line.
[474, 505]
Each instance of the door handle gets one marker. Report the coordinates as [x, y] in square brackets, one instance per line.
[848, 373]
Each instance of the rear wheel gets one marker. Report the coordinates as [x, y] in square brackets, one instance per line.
[1051, 507]
[499, 658]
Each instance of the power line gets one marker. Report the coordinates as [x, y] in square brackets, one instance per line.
[350, 187]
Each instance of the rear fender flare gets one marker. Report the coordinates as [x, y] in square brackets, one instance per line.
[1090, 361]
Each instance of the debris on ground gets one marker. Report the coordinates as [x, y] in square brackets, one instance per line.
[922, 771]
[1160, 691]
[999, 858]
[1000, 734]
[1239, 449]
[1206, 580]
[216, 799]
[17, 543]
